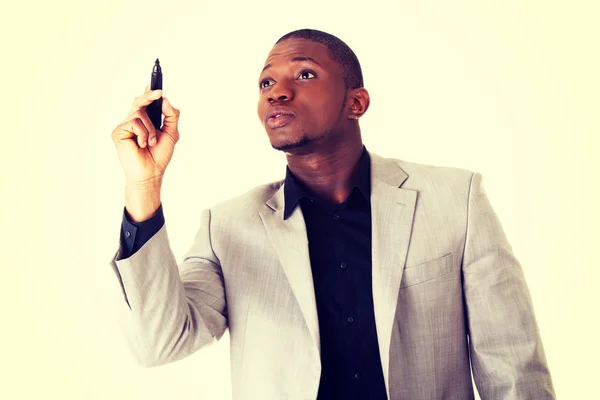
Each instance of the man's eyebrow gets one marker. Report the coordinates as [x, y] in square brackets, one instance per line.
[295, 59]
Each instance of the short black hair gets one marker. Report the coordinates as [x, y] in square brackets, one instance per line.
[339, 51]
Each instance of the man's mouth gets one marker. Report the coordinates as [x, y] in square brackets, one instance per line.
[279, 120]
[279, 117]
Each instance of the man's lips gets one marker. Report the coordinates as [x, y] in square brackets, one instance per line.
[279, 121]
[279, 116]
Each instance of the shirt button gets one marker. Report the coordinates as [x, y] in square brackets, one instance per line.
[336, 216]
[127, 234]
[343, 265]
[350, 319]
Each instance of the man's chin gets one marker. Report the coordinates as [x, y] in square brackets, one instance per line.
[292, 145]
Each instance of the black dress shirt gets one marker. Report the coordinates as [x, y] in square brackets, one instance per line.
[339, 239]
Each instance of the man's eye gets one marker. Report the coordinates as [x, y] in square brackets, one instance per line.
[306, 75]
[265, 83]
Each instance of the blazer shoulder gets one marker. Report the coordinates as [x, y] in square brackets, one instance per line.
[249, 203]
[421, 174]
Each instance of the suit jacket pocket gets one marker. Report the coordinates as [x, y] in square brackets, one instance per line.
[427, 271]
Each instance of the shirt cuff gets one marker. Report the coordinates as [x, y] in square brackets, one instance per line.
[135, 234]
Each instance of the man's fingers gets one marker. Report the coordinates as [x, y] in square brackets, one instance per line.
[152, 132]
[145, 99]
[132, 129]
[138, 123]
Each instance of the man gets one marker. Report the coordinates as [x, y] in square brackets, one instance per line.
[355, 277]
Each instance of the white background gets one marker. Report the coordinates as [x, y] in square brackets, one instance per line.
[508, 89]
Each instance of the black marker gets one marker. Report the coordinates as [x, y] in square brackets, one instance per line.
[154, 109]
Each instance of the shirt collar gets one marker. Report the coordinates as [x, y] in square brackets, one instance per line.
[294, 189]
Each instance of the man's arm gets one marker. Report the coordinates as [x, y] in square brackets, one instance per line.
[170, 310]
[506, 350]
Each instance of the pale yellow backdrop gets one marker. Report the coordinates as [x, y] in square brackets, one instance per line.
[509, 89]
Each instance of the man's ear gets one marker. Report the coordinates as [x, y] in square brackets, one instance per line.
[359, 102]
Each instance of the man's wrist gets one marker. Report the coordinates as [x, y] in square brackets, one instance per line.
[142, 199]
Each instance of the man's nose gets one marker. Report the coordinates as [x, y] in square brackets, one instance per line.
[280, 92]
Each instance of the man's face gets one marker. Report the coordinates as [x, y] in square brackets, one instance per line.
[302, 95]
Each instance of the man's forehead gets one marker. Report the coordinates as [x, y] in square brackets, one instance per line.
[294, 47]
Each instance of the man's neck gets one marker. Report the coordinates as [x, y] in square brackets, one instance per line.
[328, 174]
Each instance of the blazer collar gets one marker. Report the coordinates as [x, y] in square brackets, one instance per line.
[382, 169]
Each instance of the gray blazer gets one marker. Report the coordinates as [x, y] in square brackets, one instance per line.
[447, 290]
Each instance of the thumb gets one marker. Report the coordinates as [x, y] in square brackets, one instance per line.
[170, 121]
[171, 115]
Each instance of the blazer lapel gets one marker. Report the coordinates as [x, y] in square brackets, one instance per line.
[392, 212]
[291, 245]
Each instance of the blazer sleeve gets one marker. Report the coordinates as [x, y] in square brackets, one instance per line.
[506, 351]
[168, 310]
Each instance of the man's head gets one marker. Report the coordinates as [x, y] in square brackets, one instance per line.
[311, 92]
